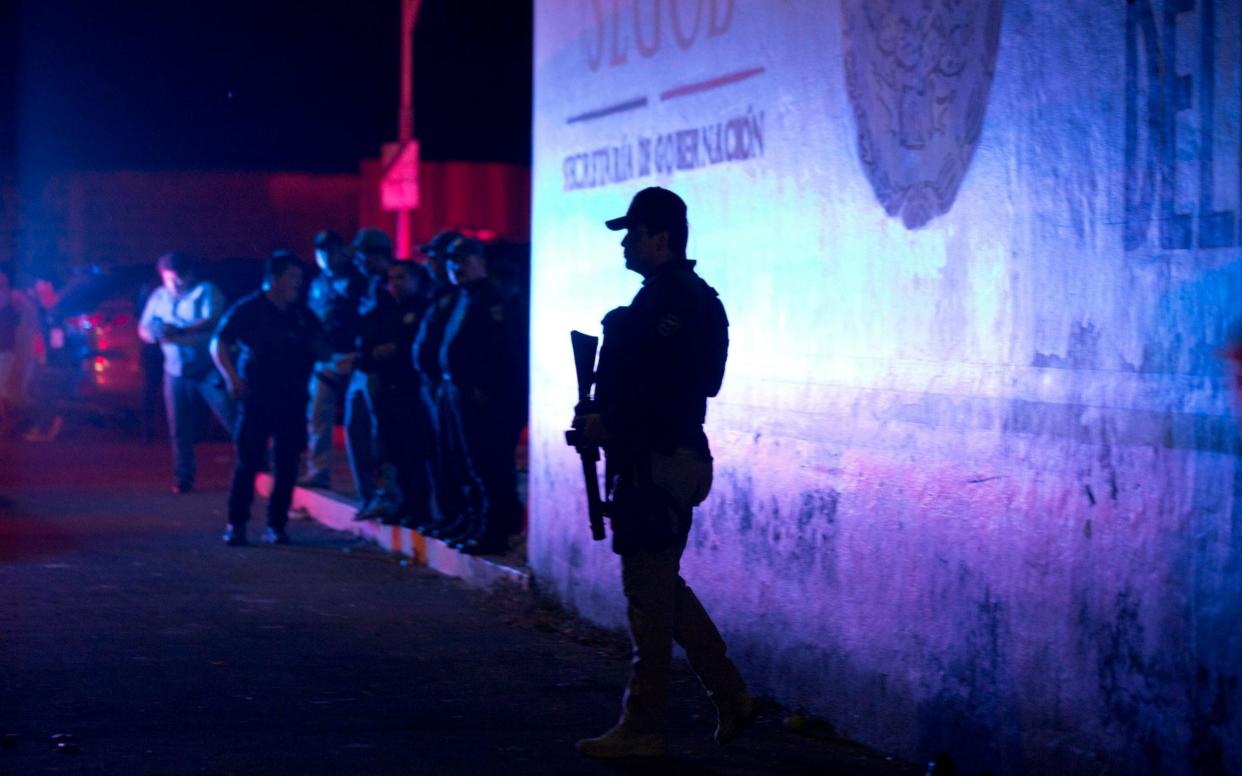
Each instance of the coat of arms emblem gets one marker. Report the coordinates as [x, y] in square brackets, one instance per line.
[918, 74]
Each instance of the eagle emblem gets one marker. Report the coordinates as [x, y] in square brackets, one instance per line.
[918, 74]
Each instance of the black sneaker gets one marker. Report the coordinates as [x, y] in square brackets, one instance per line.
[235, 536]
[275, 536]
[415, 524]
[392, 518]
[451, 530]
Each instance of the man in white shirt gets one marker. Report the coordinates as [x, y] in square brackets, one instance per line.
[181, 316]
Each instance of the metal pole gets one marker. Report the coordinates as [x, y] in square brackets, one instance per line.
[405, 116]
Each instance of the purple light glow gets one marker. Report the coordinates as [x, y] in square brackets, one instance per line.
[976, 452]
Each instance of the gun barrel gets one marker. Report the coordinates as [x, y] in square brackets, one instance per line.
[595, 505]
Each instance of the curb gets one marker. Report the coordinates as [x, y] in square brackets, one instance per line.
[337, 513]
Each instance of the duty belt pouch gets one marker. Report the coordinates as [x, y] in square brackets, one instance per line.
[644, 517]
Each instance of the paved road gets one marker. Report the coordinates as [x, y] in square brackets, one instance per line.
[126, 626]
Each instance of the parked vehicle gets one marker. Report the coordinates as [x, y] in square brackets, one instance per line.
[94, 353]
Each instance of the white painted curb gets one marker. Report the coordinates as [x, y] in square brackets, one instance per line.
[337, 513]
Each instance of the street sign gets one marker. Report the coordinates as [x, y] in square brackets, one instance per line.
[399, 184]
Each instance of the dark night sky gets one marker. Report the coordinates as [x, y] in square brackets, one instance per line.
[264, 85]
[8, 86]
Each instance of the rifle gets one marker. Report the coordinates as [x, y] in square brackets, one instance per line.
[584, 364]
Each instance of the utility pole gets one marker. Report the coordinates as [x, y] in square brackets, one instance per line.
[405, 117]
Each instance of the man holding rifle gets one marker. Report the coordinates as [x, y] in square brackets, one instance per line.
[662, 357]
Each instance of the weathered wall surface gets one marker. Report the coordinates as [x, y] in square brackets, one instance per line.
[978, 485]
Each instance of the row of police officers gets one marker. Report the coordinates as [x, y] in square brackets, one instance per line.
[434, 356]
[429, 363]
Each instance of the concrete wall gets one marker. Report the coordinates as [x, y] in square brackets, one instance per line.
[978, 486]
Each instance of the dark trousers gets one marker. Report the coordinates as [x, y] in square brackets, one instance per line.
[447, 483]
[491, 436]
[284, 423]
[327, 392]
[477, 443]
[362, 441]
[405, 437]
[661, 607]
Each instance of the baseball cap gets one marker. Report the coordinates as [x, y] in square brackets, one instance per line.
[652, 207]
[328, 239]
[462, 246]
[371, 239]
[439, 244]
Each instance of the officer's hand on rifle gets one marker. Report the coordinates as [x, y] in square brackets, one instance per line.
[592, 428]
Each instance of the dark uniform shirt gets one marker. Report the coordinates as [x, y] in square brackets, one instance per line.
[374, 295]
[335, 300]
[392, 324]
[481, 350]
[663, 356]
[425, 351]
[278, 347]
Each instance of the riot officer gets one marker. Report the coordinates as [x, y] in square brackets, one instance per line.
[373, 479]
[387, 335]
[335, 295]
[482, 401]
[662, 357]
[425, 352]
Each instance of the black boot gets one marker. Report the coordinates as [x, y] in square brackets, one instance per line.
[448, 527]
[485, 544]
